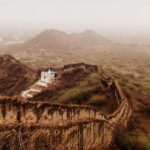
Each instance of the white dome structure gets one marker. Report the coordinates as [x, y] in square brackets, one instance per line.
[47, 77]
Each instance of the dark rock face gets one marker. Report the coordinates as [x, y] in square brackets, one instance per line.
[14, 76]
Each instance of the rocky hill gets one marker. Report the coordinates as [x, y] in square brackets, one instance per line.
[80, 84]
[14, 76]
[77, 84]
[50, 40]
[57, 39]
[54, 47]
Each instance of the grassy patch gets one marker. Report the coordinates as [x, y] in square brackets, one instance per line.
[90, 80]
[75, 95]
[81, 92]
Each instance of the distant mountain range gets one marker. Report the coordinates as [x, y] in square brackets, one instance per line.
[55, 39]
[59, 48]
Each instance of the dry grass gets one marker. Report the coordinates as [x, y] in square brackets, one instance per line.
[81, 92]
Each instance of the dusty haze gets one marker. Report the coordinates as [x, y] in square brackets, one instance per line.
[126, 20]
[91, 53]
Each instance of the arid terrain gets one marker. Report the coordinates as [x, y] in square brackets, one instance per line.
[13, 74]
[128, 64]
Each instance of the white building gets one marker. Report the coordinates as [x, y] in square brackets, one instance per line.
[47, 77]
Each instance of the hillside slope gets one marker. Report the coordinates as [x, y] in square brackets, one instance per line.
[14, 76]
[54, 47]
[78, 85]
[137, 90]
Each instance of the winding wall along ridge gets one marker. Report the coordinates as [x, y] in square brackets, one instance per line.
[32, 125]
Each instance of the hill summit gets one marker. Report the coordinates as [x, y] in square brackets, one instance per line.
[58, 39]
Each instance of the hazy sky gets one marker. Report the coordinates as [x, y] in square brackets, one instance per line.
[116, 15]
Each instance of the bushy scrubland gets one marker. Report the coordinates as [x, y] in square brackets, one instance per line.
[81, 91]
